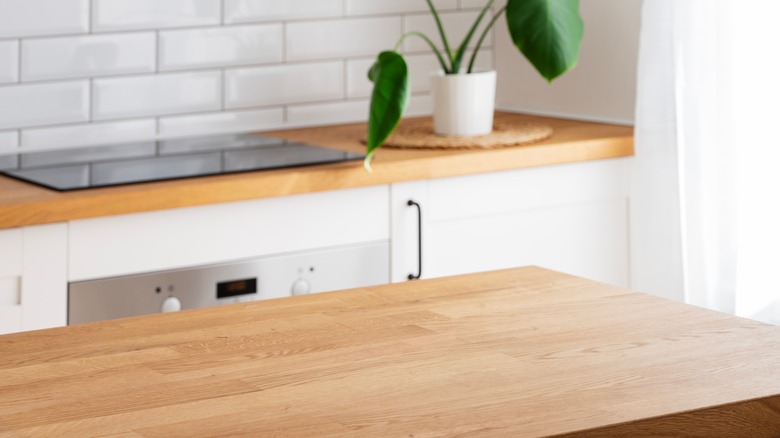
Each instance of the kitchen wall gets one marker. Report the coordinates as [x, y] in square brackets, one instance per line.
[85, 72]
[603, 85]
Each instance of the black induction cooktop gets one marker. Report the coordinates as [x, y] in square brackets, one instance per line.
[111, 165]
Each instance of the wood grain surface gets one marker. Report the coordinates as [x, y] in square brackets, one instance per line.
[515, 353]
[25, 204]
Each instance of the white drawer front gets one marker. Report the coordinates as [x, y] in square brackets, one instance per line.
[148, 242]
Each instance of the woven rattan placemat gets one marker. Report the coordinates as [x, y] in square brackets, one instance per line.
[418, 134]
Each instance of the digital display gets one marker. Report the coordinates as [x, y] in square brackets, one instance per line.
[234, 288]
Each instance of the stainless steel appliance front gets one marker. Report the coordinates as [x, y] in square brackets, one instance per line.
[267, 277]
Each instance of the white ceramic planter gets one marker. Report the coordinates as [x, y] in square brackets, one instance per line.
[463, 104]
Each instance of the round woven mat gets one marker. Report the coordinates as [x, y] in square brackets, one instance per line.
[418, 134]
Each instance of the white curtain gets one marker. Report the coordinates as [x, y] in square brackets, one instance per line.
[706, 177]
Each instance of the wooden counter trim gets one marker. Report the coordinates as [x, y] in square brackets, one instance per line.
[573, 141]
[754, 419]
[521, 352]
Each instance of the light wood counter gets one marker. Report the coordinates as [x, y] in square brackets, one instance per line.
[522, 352]
[25, 204]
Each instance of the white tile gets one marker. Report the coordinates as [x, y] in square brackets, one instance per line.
[242, 11]
[456, 25]
[43, 17]
[9, 61]
[228, 121]
[156, 95]
[88, 134]
[341, 38]
[88, 56]
[283, 84]
[358, 84]
[44, 104]
[367, 7]
[328, 113]
[232, 45]
[9, 141]
[110, 15]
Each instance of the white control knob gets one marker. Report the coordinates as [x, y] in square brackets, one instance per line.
[301, 286]
[170, 304]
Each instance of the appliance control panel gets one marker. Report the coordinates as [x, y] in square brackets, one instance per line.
[262, 278]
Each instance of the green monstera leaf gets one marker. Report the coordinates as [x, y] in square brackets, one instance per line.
[547, 32]
[389, 99]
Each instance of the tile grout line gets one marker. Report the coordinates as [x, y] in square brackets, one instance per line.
[19, 61]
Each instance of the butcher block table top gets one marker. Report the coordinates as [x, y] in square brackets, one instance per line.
[24, 204]
[514, 353]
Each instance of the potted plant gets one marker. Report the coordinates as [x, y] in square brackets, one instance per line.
[547, 32]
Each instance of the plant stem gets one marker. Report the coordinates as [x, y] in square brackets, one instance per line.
[458, 58]
[440, 26]
[482, 38]
[430, 43]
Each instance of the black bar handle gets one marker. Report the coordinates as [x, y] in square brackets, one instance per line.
[419, 240]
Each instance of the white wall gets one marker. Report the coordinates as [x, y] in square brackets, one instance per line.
[84, 72]
[602, 87]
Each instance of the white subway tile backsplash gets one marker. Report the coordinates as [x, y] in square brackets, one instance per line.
[9, 61]
[19, 18]
[358, 84]
[284, 84]
[44, 104]
[9, 141]
[89, 72]
[156, 95]
[366, 7]
[220, 46]
[242, 11]
[111, 15]
[227, 121]
[341, 38]
[328, 113]
[456, 24]
[88, 133]
[88, 56]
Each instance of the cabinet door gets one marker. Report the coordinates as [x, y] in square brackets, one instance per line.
[33, 282]
[571, 218]
[10, 280]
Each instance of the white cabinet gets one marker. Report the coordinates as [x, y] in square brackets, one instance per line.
[572, 218]
[37, 262]
[196, 236]
[10, 280]
[33, 277]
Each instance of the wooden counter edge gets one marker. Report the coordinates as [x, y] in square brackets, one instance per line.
[32, 205]
[758, 418]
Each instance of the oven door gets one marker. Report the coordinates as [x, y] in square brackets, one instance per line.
[268, 277]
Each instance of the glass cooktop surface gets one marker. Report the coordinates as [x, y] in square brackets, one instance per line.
[101, 166]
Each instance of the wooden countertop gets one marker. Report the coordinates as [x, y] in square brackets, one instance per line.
[522, 352]
[25, 204]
